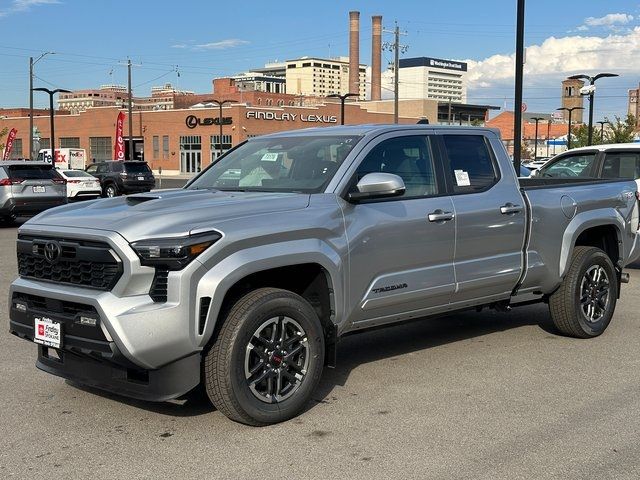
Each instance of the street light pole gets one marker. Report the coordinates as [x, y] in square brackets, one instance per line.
[535, 145]
[570, 110]
[32, 62]
[52, 142]
[602, 124]
[548, 135]
[219, 103]
[342, 100]
[591, 93]
[519, 74]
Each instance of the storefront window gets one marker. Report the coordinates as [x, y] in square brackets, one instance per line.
[190, 154]
[100, 148]
[69, 142]
[156, 147]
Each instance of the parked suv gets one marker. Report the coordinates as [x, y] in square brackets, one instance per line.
[118, 177]
[27, 188]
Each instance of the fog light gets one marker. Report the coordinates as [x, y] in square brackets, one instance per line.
[21, 307]
[90, 321]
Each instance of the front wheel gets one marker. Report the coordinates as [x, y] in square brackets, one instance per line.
[583, 305]
[267, 358]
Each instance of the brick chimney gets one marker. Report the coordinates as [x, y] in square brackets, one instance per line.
[354, 52]
[376, 57]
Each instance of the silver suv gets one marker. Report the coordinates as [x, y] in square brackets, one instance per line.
[28, 188]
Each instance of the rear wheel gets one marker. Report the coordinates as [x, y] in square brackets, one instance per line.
[267, 358]
[584, 304]
[110, 191]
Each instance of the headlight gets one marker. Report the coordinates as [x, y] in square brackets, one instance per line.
[173, 253]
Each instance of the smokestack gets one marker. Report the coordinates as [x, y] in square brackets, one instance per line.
[354, 52]
[376, 57]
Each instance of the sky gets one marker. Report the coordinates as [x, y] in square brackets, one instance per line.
[188, 43]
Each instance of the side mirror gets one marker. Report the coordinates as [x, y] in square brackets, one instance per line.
[377, 185]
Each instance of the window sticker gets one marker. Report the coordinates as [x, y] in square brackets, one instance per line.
[269, 157]
[462, 178]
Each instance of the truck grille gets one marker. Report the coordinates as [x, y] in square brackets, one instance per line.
[74, 262]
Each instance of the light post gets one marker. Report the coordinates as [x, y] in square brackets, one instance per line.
[342, 100]
[535, 144]
[548, 135]
[570, 110]
[219, 103]
[591, 90]
[32, 62]
[52, 142]
[602, 124]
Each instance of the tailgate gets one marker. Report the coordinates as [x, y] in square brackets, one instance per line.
[35, 183]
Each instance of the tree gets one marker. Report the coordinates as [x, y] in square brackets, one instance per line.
[621, 131]
[3, 133]
[580, 136]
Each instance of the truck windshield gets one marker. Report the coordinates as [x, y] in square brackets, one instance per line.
[283, 164]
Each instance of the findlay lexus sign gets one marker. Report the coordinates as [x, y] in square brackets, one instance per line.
[291, 117]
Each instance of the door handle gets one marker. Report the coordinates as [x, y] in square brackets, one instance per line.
[440, 216]
[510, 209]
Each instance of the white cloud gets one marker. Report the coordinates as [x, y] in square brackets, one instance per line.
[611, 21]
[222, 44]
[219, 45]
[608, 20]
[18, 6]
[556, 58]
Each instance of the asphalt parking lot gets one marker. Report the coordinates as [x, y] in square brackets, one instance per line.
[481, 396]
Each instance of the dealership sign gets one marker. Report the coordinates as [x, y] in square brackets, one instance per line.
[291, 117]
[192, 121]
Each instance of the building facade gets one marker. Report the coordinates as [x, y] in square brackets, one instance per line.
[571, 98]
[633, 106]
[183, 141]
[433, 78]
[322, 77]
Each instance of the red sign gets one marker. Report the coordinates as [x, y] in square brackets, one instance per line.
[10, 138]
[119, 153]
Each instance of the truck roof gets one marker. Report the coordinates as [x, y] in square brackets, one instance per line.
[377, 129]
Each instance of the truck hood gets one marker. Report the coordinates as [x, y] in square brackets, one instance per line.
[164, 213]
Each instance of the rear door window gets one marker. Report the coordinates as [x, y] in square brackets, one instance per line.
[621, 165]
[31, 172]
[471, 165]
[137, 167]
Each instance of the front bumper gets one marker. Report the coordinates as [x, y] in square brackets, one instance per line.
[89, 356]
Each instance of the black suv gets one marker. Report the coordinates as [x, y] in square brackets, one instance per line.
[122, 177]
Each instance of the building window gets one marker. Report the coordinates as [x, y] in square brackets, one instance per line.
[165, 147]
[100, 148]
[69, 142]
[16, 150]
[156, 146]
[215, 145]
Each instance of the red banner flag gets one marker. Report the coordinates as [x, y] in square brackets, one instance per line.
[10, 138]
[119, 153]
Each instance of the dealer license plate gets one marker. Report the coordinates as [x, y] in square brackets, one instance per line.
[47, 332]
[39, 189]
[140, 178]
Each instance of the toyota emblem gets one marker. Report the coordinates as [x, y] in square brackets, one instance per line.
[52, 252]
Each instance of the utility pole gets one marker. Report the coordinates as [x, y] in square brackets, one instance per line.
[535, 145]
[397, 49]
[517, 127]
[130, 110]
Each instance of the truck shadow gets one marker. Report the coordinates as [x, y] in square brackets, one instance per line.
[422, 334]
[370, 346]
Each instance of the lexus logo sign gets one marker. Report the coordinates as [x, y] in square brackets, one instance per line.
[52, 252]
[192, 121]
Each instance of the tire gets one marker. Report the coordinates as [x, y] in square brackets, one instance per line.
[584, 304]
[230, 361]
[110, 191]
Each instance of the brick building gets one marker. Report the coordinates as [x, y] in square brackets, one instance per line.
[546, 130]
[186, 140]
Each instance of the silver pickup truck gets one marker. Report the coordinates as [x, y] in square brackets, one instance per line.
[244, 281]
